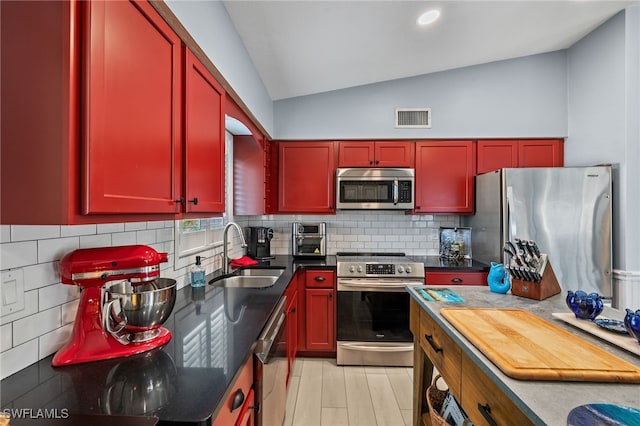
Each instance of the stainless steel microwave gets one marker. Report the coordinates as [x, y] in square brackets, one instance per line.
[382, 189]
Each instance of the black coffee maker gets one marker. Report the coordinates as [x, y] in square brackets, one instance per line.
[259, 242]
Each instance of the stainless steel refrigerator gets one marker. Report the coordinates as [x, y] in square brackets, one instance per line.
[566, 210]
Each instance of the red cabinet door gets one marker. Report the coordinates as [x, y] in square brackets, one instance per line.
[375, 154]
[320, 322]
[132, 102]
[394, 154]
[306, 177]
[444, 176]
[496, 154]
[204, 171]
[356, 154]
[541, 153]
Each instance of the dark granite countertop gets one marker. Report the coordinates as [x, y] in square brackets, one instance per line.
[437, 263]
[213, 329]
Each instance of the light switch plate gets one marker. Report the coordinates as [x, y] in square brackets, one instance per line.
[12, 292]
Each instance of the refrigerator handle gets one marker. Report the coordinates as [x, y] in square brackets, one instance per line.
[508, 226]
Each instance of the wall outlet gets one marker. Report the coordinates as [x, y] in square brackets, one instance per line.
[12, 291]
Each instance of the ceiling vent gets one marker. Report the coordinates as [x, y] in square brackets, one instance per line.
[413, 118]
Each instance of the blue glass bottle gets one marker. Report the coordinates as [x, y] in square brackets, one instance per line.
[197, 274]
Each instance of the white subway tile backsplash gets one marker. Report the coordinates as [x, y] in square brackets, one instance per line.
[36, 325]
[52, 250]
[57, 294]
[164, 234]
[77, 230]
[6, 340]
[41, 275]
[110, 228]
[17, 358]
[135, 226]
[91, 241]
[156, 224]
[49, 343]
[34, 232]
[123, 239]
[15, 255]
[5, 233]
[146, 237]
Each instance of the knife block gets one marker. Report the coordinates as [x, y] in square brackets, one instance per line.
[547, 287]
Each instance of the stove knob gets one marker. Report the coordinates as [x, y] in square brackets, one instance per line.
[408, 269]
[352, 268]
[359, 268]
[400, 269]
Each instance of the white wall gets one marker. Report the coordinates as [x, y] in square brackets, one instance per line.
[524, 97]
[604, 120]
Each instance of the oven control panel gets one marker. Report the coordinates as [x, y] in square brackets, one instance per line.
[381, 269]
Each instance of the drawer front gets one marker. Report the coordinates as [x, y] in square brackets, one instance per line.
[442, 351]
[320, 279]
[456, 278]
[484, 402]
[227, 414]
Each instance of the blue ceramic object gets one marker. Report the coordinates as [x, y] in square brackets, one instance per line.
[498, 279]
[632, 323]
[583, 305]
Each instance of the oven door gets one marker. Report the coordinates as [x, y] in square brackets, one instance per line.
[373, 322]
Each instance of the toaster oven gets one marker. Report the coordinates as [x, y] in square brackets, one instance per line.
[309, 239]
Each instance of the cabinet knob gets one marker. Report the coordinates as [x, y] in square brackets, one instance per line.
[377, 161]
[319, 278]
[238, 400]
[179, 201]
[194, 201]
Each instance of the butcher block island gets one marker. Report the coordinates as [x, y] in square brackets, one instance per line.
[494, 379]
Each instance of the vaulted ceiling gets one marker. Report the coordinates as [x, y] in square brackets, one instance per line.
[302, 47]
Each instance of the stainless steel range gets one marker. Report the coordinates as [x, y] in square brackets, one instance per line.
[373, 308]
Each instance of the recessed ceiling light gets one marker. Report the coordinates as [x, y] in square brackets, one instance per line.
[429, 17]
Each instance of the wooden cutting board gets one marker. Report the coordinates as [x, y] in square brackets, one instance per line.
[525, 346]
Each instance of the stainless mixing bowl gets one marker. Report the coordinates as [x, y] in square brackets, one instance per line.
[143, 307]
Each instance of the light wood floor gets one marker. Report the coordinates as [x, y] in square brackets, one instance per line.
[324, 394]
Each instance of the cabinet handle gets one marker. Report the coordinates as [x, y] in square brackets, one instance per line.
[371, 162]
[330, 295]
[485, 410]
[179, 201]
[377, 161]
[429, 338]
[293, 310]
[319, 278]
[238, 400]
[457, 280]
[194, 201]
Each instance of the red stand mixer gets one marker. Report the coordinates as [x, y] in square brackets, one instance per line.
[123, 303]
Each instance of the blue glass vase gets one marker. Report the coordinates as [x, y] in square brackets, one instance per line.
[632, 323]
[498, 279]
[583, 305]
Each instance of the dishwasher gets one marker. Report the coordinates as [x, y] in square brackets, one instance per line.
[270, 362]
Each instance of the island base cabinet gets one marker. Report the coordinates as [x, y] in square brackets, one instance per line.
[484, 403]
[442, 351]
[238, 405]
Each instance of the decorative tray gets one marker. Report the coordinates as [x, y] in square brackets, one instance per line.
[624, 341]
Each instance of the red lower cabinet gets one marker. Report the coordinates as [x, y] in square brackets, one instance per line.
[455, 278]
[317, 311]
[242, 390]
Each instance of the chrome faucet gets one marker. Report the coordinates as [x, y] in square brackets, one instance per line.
[225, 240]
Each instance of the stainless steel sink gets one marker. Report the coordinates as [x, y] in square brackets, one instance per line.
[246, 282]
[261, 272]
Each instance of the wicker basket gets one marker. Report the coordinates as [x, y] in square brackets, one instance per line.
[435, 399]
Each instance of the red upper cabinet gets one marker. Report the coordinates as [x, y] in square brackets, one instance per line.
[499, 153]
[541, 153]
[132, 109]
[444, 176]
[375, 154]
[496, 154]
[306, 177]
[204, 139]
